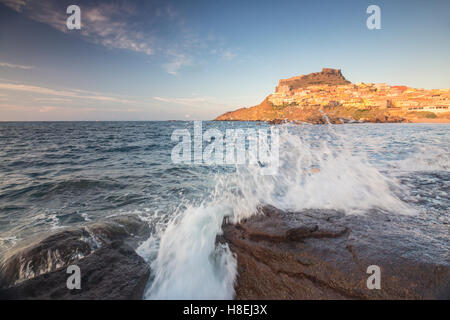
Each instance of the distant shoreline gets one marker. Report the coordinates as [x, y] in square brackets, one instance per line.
[438, 120]
[427, 121]
[327, 97]
[410, 121]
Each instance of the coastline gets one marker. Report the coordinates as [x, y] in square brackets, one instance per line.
[116, 248]
[438, 120]
[327, 97]
[409, 121]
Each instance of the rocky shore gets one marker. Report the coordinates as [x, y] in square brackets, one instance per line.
[324, 254]
[313, 254]
[327, 97]
[104, 252]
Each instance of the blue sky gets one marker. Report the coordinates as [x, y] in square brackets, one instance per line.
[158, 60]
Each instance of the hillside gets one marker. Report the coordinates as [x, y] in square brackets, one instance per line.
[325, 96]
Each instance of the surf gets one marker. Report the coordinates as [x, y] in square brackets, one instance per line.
[315, 173]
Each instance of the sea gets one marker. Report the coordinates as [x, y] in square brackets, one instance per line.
[59, 174]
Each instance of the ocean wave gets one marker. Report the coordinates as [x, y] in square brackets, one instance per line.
[47, 189]
[325, 174]
[123, 149]
[102, 169]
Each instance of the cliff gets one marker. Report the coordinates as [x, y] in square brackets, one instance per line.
[307, 98]
[327, 76]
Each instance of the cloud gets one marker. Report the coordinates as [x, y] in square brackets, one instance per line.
[184, 101]
[79, 94]
[228, 55]
[178, 61]
[52, 99]
[15, 66]
[198, 103]
[107, 24]
[48, 110]
[15, 4]
[145, 27]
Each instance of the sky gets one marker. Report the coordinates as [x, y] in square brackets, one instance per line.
[194, 60]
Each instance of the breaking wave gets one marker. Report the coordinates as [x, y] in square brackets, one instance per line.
[315, 172]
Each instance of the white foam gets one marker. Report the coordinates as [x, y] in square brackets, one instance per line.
[189, 265]
[314, 173]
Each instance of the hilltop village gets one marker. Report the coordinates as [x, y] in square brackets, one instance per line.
[307, 98]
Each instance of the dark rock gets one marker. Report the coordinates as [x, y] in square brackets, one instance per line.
[324, 254]
[97, 248]
[277, 121]
[128, 228]
[395, 119]
[112, 272]
[44, 255]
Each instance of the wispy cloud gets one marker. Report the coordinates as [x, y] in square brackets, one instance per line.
[197, 102]
[78, 94]
[52, 109]
[184, 101]
[178, 61]
[15, 66]
[145, 27]
[104, 23]
[52, 99]
[228, 55]
[108, 24]
[14, 4]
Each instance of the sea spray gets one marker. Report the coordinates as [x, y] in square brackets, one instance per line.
[189, 264]
[319, 173]
[315, 172]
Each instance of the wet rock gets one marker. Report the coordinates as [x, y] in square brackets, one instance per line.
[128, 228]
[112, 272]
[45, 255]
[97, 248]
[324, 254]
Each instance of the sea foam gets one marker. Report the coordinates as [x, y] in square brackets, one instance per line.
[315, 173]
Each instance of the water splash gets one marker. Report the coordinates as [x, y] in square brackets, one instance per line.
[316, 172]
[189, 264]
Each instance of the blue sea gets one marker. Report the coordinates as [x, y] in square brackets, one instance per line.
[58, 174]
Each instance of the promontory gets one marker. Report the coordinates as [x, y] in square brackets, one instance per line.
[327, 96]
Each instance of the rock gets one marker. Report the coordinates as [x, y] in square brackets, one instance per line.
[128, 228]
[324, 254]
[395, 119]
[44, 255]
[277, 121]
[113, 272]
[44, 259]
[328, 76]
